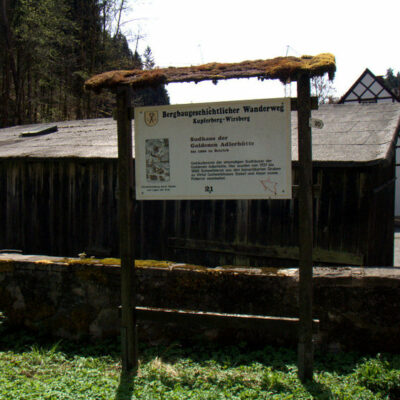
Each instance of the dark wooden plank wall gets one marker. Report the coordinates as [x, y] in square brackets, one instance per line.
[58, 207]
[66, 206]
[241, 229]
[381, 215]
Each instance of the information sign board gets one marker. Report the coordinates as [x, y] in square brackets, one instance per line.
[225, 150]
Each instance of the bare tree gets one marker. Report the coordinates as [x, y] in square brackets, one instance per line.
[323, 88]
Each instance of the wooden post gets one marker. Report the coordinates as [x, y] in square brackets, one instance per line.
[305, 346]
[126, 232]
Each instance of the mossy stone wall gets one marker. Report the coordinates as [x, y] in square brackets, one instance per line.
[358, 308]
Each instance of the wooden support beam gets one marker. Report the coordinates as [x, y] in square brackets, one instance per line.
[305, 347]
[314, 103]
[316, 191]
[277, 325]
[126, 232]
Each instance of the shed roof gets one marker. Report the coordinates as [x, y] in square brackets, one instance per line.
[352, 133]
[283, 68]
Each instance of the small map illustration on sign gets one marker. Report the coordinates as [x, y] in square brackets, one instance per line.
[157, 160]
[269, 186]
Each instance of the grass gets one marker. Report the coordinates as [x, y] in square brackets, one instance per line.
[35, 367]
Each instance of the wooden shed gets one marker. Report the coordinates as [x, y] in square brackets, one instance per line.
[369, 88]
[58, 196]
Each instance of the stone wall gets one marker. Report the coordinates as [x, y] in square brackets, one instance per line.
[358, 308]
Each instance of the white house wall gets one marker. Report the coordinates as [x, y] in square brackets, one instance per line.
[397, 198]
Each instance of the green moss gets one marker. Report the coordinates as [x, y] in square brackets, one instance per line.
[117, 262]
[277, 68]
[91, 261]
[110, 261]
[8, 266]
[153, 264]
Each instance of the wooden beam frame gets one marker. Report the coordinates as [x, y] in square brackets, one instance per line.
[287, 326]
[127, 220]
[305, 347]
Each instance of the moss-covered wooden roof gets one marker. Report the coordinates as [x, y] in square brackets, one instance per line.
[282, 68]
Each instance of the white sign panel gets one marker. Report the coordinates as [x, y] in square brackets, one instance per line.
[227, 150]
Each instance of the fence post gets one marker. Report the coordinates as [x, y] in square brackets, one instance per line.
[305, 345]
[126, 200]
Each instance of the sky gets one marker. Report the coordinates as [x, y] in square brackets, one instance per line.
[360, 34]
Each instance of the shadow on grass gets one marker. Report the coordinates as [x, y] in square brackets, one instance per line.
[318, 390]
[338, 362]
[125, 387]
[19, 341]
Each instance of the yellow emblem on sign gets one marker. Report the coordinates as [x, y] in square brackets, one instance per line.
[151, 118]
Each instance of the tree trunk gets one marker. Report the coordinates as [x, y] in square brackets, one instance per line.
[6, 93]
[10, 51]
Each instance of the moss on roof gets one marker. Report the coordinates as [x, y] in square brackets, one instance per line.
[282, 68]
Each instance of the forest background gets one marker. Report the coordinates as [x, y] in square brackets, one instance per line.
[50, 47]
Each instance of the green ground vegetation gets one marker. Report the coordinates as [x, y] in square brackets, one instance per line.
[36, 367]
